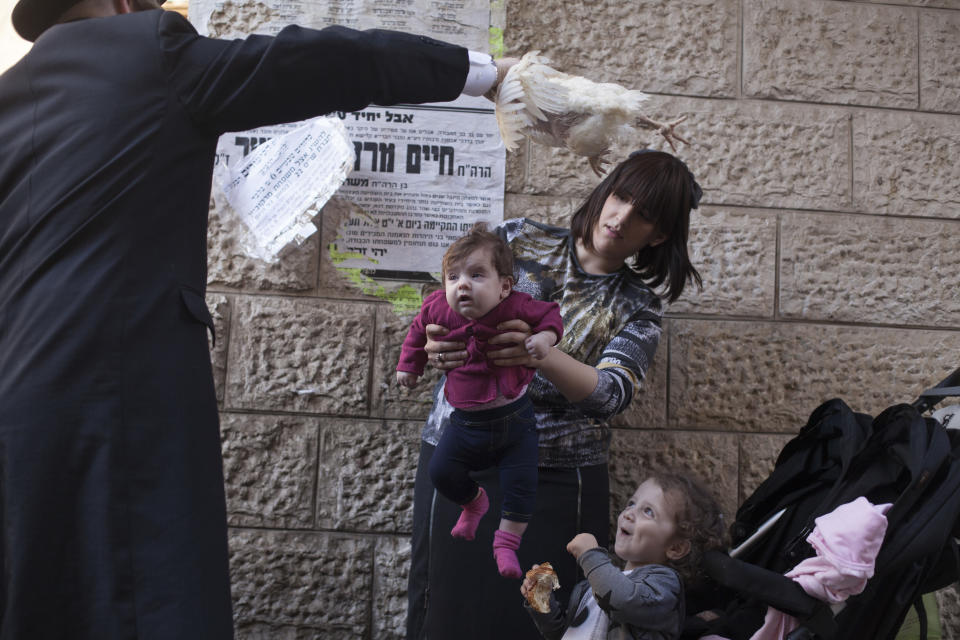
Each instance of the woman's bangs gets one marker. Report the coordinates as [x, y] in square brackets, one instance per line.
[643, 193]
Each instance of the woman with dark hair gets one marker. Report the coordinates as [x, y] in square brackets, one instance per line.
[628, 239]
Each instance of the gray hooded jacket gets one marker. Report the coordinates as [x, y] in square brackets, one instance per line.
[644, 604]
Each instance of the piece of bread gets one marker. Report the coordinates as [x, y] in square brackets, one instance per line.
[545, 581]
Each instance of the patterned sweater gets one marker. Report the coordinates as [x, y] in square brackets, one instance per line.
[611, 321]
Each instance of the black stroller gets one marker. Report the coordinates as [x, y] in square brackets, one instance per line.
[898, 457]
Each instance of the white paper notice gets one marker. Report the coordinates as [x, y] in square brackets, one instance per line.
[423, 174]
[272, 188]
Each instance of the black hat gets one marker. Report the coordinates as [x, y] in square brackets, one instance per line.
[33, 17]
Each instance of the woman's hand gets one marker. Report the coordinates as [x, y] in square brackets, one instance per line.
[574, 379]
[443, 355]
[515, 334]
[581, 543]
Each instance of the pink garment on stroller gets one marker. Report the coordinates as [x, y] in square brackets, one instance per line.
[847, 541]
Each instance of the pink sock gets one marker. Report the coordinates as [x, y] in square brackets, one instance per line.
[473, 511]
[505, 545]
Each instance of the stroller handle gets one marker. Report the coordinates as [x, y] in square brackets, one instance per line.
[949, 386]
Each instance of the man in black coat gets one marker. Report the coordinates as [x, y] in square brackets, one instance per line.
[111, 483]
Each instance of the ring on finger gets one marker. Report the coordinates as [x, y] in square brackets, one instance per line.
[440, 357]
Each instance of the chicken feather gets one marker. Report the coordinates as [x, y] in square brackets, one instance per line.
[561, 110]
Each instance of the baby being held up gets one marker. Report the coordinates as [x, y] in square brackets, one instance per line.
[662, 534]
[490, 402]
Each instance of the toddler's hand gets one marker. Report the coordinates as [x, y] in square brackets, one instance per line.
[407, 379]
[580, 543]
[528, 583]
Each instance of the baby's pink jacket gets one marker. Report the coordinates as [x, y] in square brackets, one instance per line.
[478, 381]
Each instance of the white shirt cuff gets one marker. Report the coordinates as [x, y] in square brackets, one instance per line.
[482, 74]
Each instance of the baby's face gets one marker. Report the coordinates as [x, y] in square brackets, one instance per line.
[473, 285]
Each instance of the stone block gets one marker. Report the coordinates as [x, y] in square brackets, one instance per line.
[940, 61]
[366, 475]
[948, 601]
[906, 164]
[546, 209]
[711, 457]
[753, 376]
[391, 568]
[239, 18]
[270, 469]
[300, 354]
[390, 400]
[667, 46]
[516, 168]
[758, 154]
[219, 306]
[830, 52]
[758, 453]
[229, 266]
[557, 171]
[736, 255]
[877, 270]
[293, 586]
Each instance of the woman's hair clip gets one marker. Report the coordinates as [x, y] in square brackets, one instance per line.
[696, 191]
[639, 151]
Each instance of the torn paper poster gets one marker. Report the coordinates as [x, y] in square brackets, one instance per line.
[273, 187]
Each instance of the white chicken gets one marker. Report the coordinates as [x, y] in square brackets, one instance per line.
[560, 110]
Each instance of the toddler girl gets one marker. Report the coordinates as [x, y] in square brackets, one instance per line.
[662, 534]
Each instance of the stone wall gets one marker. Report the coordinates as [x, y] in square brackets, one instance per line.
[825, 134]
